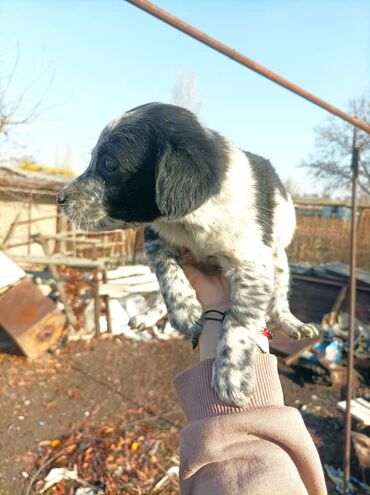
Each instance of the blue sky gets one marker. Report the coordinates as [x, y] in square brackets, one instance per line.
[108, 56]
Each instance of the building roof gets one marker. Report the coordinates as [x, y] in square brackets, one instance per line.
[14, 182]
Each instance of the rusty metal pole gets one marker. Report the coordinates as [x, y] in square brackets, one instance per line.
[186, 28]
[352, 315]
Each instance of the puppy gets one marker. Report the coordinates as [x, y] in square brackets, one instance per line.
[157, 166]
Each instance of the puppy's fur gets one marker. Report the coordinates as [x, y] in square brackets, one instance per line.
[158, 166]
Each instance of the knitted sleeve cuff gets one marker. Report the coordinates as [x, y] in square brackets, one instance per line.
[199, 401]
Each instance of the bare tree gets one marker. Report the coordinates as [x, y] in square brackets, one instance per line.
[15, 109]
[331, 161]
[293, 187]
[184, 93]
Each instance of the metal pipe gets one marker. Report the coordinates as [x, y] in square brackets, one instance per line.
[352, 315]
[245, 61]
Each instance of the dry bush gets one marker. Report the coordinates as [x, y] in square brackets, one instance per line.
[322, 240]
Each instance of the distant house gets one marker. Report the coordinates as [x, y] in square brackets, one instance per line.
[27, 196]
[325, 207]
[28, 206]
[337, 211]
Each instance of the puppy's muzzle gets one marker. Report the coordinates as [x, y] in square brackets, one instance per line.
[83, 203]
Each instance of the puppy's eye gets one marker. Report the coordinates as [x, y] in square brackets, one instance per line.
[109, 165]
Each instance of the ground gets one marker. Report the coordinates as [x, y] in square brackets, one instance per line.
[122, 380]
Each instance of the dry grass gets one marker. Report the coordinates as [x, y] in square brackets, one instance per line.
[322, 240]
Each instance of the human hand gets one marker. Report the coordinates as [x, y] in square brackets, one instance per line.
[213, 292]
[211, 286]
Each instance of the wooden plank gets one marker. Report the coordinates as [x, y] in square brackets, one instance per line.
[135, 280]
[340, 299]
[37, 219]
[118, 291]
[282, 345]
[11, 229]
[57, 261]
[127, 271]
[360, 409]
[63, 237]
[306, 346]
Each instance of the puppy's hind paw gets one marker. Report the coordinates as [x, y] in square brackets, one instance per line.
[233, 386]
[301, 330]
[308, 330]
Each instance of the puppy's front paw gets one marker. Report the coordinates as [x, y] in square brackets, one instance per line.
[140, 322]
[187, 318]
[233, 385]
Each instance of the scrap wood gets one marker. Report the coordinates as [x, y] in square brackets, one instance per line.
[332, 316]
[360, 409]
[113, 457]
[10, 231]
[305, 346]
[129, 280]
[57, 260]
[128, 271]
[36, 324]
[120, 291]
[289, 349]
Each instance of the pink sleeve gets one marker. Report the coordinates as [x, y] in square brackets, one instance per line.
[259, 449]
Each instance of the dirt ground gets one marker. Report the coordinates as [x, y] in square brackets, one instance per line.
[42, 399]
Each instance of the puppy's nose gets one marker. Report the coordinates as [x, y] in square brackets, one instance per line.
[61, 197]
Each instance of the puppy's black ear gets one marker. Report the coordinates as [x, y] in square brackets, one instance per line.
[186, 178]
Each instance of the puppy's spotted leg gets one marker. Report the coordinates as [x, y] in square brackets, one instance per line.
[251, 285]
[184, 309]
[280, 311]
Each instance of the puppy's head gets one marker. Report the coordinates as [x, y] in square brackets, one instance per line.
[154, 161]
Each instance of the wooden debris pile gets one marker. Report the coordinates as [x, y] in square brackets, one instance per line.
[109, 458]
[28, 319]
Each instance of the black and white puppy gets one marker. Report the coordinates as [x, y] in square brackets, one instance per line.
[158, 166]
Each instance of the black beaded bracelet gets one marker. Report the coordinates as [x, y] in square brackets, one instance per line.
[195, 340]
[214, 311]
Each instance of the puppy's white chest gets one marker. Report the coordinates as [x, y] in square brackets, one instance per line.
[193, 238]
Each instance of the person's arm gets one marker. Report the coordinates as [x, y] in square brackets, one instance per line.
[262, 448]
